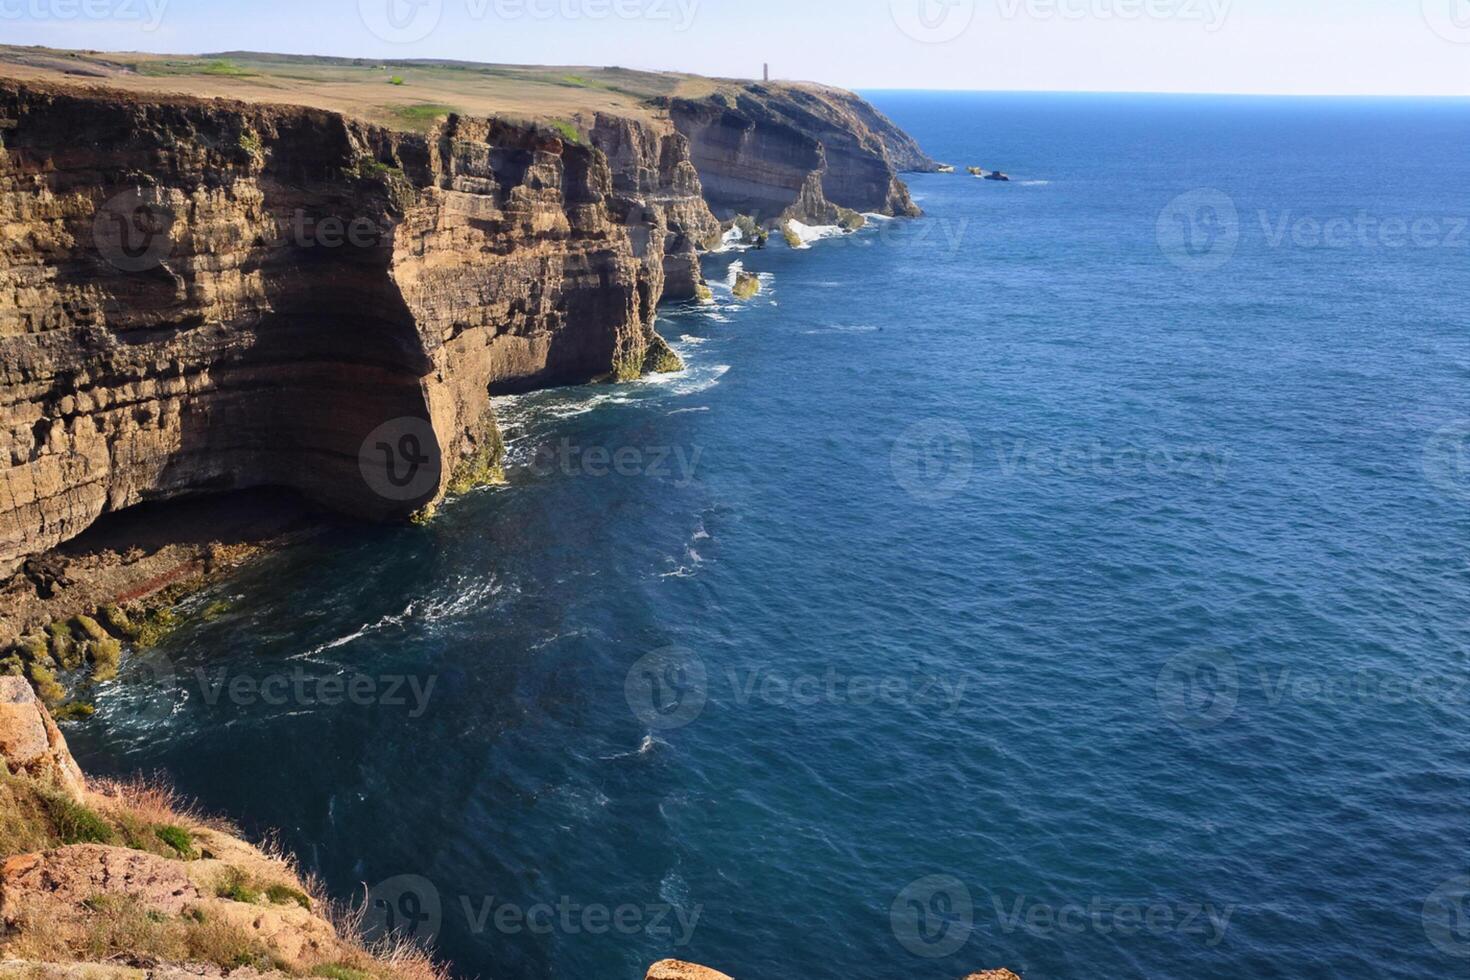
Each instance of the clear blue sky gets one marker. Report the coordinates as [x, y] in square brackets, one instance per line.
[1419, 47]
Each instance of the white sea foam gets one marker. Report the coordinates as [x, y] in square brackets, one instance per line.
[813, 233]
[364, 630]
[731, 241]
[842, 328]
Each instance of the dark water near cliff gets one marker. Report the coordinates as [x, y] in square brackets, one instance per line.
[1037, 596]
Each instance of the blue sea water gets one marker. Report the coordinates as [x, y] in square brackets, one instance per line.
[1076, 580]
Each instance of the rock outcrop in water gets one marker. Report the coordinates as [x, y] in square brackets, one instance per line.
[205, 295]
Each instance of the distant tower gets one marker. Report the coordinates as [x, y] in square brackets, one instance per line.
[768, 71]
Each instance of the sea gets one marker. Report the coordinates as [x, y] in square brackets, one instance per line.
[1074, 580]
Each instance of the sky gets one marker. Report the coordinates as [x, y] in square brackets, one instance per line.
[1296, 47]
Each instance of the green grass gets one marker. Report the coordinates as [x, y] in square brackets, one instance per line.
[178, 839]
[226, 68]
[76, 824]
[222, 67]
[286, 895]
[567, 130]
[420, 117]
[236, 887]
[335, 971]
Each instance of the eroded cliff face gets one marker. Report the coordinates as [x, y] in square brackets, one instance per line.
[207, 295]
[661, 197]
[793, 151]
[200, 296]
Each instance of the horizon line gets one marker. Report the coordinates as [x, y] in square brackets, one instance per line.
[1183, 93]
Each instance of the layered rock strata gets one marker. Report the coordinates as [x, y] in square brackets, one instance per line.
[207, 295]
[200, 296]
[797, 152]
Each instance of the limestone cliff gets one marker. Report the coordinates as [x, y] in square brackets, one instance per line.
[203, 295]
[200, 295]
[797, 151]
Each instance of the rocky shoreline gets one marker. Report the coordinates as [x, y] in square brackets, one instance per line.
[185, 311]
[213, 314]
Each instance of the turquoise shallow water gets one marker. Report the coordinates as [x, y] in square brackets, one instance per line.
[1074, 580]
